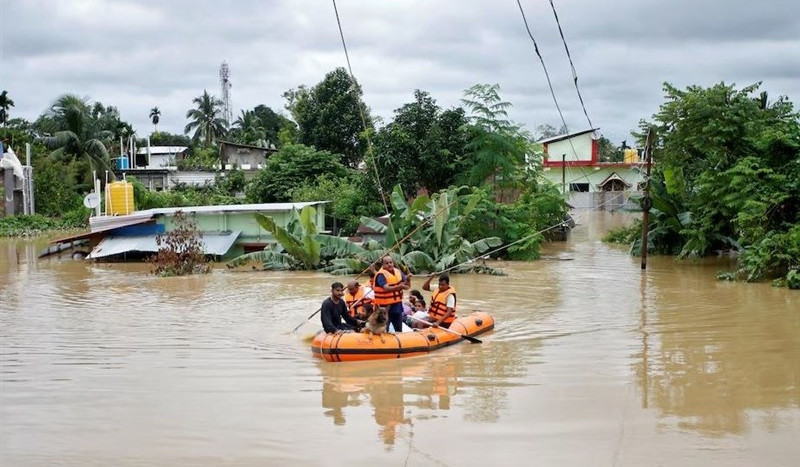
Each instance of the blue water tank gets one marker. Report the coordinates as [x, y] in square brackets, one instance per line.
[122, 162]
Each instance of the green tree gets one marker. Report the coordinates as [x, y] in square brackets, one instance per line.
[423, 147]
[608, 152]
[349, 199]
[5, 105]
[292, 166]
[155, 116]
[74, 131]
[274, 124]
[497, 148]
[248, 129]
[548, 131]
[206, 120]
[731, 161]
[163, 138]
[328, 116]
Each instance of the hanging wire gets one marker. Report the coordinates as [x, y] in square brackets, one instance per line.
[584, 175]
[370, 152]
[572, 65]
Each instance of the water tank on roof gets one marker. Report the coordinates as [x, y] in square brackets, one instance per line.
[119, 198]
[631, 156]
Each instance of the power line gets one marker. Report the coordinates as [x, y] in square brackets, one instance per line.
[370, 152]
[572, 65]
[544, 67]
[553, 94]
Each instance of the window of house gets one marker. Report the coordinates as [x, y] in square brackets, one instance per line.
[580, 187]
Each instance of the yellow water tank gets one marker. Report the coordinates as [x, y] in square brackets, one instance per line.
[631, 156]
[119, 198]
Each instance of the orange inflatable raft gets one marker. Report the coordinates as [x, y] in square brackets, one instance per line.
[355, 346]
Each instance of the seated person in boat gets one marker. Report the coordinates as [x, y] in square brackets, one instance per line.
[414, 298]
[356, 297]
[334, 310]
[442, 311]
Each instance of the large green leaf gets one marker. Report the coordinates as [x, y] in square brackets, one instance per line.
[486, 243]
[373, 224]
[339, 246]
[290, 244]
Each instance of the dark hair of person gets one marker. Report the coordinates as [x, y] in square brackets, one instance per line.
[444, 277]
[337, 285]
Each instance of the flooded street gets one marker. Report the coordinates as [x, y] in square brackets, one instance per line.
[592, 362]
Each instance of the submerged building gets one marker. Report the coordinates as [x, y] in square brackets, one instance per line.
[571, 161]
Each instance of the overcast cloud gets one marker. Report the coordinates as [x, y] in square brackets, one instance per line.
[137, 54]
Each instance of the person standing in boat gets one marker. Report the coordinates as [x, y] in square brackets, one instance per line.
[356, 297]
[389, 285]
[443, 302]
[334, 309]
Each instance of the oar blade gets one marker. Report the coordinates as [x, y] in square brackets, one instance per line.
[474, 340]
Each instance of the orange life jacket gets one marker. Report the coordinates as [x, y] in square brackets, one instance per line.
[382, 296]
[439, 305]
[359, 301]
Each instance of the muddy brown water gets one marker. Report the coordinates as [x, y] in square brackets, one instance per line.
[592, 362]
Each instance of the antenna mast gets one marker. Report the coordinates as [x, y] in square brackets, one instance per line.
[225, 85]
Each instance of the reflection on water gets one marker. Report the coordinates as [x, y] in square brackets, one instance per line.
[592, 362]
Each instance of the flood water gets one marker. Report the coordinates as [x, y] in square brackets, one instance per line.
[592, 362]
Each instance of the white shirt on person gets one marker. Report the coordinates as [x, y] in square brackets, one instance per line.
[451, 299]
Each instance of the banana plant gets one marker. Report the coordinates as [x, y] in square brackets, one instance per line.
[298, 245]
[438, 245]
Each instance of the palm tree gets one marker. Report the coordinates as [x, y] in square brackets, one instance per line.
[72, 131]
[155, 116]
[248, 128]
[5, 104]
[206, 120]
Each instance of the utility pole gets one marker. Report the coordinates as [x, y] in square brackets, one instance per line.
[646, 203]
[564, 174]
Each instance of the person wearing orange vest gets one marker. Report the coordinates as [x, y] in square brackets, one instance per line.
[356, 296]
[442, 311]
[389, 285]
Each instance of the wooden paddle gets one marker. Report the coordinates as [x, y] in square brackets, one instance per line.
[464, 336]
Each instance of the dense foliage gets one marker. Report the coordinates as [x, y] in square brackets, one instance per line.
[329, 116]
[727, 176]
[292, 166]
[323, 157]
[423, 148]
[25, 226]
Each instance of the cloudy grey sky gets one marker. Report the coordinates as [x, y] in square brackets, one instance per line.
[137, 54]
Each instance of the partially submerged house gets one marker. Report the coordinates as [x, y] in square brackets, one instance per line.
[227, 231]
[571, 162]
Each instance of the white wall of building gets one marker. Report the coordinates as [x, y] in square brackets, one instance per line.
[581, 143]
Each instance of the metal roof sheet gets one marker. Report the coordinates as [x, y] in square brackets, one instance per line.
[261, 207]
[213, 244]
[101, 229]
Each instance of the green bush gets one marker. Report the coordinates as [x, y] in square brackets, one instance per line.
[37, 224]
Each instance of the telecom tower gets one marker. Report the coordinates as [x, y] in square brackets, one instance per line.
[225, 84]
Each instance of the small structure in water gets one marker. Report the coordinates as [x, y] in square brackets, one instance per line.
[122, 233]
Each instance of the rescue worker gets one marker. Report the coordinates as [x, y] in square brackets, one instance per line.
[389, 285]
[442, 311]
[356, 296]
